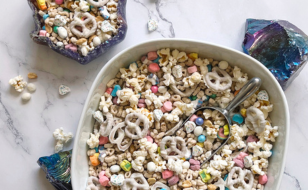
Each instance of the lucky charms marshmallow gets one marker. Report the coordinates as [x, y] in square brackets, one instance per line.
[138, 141]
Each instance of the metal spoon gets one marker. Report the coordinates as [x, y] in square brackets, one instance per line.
[247, 90]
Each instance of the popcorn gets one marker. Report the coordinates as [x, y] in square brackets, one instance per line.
[18, 83]
[240, 78]
[270, 133]
[176, 166]
[192, 80]
[93, 141]
[61, 138]
[126, 95]
[104, 104]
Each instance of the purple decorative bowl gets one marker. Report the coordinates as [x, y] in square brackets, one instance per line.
[99, 50]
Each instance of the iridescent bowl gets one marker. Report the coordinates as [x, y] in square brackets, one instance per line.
[98, 51]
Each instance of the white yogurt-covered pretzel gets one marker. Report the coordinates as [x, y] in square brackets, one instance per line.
[220, 83]
[132, 182]
[118, 130]
[240, 180]
[255, 119]
[186, 93]
[172, 148]
[86, 32]
[159, 185]
[133, 130]
[106, 126]
[98, 3]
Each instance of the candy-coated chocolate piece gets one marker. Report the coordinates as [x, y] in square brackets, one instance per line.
[198, 131]
[167, 106]
[199, 121]
[154, 89]
[201, 138]
[263, 179]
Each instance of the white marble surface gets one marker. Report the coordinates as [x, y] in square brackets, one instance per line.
[26, 129]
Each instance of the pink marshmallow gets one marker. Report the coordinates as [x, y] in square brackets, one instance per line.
[152, 55]
[71, 47]
[59, 2]
[263, 179]
[104, 181]
[167, 174]
[193, 118]
[149, 138]
[154, 89]
[141, 101]
[241, 156]
[238, 163]
[115, 100]
[43, 32]
[143, 58]
[109, 90]
[195, 167]
[192, 69]
[163, 110]
[167, 106]
[153, 67]
[194, 162]
[141, 105]
[252, 138]
[173, 180]
[103, 140]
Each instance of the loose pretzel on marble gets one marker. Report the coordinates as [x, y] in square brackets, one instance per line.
[240, 180]
[98, 3]
[133, 130]
[93, 184]
[255, 119]
[132, 183]
[118, 129]
[106, 126]
[178, 154]
[159, 185]
[186, 93]
[86, 33]
[220, 83]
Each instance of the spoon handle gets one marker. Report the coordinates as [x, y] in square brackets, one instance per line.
[248, 89]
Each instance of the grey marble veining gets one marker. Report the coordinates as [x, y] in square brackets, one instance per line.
[26, 128]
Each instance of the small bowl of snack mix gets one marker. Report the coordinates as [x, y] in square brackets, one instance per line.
[128, 135]
[79, 29]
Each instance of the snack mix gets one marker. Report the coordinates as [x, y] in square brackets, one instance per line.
[78, 25]
[138, 141]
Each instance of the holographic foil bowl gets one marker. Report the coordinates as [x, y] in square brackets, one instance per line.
[98, 51]
[279, 116]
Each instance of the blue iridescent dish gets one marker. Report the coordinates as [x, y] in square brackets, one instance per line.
[98, 51]
[279, 45]
[57, 169]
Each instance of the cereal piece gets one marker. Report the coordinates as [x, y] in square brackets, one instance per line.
[151, 181]
[211, 187]
[26, 96]
[64, 89]
[152, 25]
[32, 75]
[18, 83]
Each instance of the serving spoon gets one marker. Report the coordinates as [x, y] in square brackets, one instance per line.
[246, 91]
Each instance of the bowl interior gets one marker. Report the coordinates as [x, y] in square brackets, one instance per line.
[279, 116]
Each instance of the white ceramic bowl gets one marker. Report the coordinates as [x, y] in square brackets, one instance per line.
[279, 116]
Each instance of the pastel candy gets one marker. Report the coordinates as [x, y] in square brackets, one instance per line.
[248, 162]
[193, 118]
[151, 166]
[158, 114]
[192, 69]
[152, 55]
[154, 89]
[199, 121]
[115, 168]
[263, 179]
[153, 67]
[177, 71]
[238, 162]
[43, 32]
[189, 126]
[173, 180]
[103, 140]
[221, 134]
[263, 95]
[141, 101]
[102, 155]
[167, 106]
[64, 89]
[115, 90]
[167, 174]
[201, 138]
[107, 27]
[149, 139]
[195, 167]
[197, 150]
[186, 165]
[141, 105]
[115, 100]
[242, 155]
[198, 131]
[117, 180]
[101, 149]
[252, 138]
[152, 25]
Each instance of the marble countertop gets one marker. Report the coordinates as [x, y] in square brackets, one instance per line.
[26, 128]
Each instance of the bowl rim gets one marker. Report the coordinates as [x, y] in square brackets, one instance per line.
[105, 67]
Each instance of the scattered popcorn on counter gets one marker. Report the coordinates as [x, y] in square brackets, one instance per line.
[18, 83]
[140, 143]
[61, 138]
